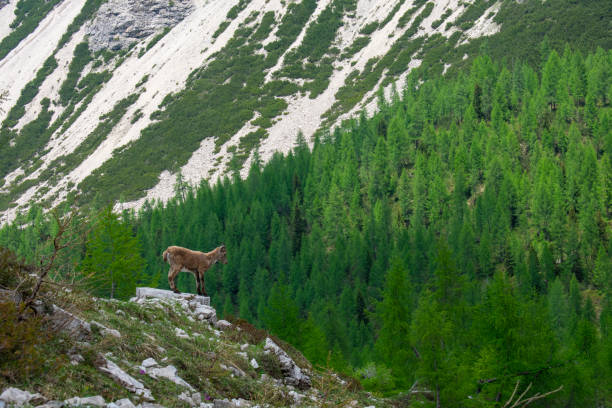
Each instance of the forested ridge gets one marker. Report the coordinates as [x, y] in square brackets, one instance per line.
[460, 238]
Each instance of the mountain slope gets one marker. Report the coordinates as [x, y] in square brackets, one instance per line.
[199, 91]
[158, 351]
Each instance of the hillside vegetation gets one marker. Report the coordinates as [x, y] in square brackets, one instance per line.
[460, 238]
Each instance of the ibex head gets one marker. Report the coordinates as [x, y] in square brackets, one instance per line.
[222, 254]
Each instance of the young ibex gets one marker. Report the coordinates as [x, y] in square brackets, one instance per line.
[196, 262]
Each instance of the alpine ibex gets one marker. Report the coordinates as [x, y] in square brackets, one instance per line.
[185, 260]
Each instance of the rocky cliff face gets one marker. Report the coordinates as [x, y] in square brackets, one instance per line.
[119, 23]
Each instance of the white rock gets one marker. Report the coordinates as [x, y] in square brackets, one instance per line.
[206, 311]
[254, 363]
[221, 403]
[149, 362]
[196, 398]
[111, 332]
[161, 349]
[122, 403]
[69, 323]
[205, 405]
[223, 324]
[244, 346]
[125, 379]
[18, 397]
[105, 330]
[239, 402]
[119, 312]
[297, 397]
[48, 404]
[293, 374]
[96, 401]
[242, 354]
[167, 294]
[181, 333]
[75, 359]
[169, 373]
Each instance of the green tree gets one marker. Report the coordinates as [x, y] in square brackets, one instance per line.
[112, 263]
[393, 313]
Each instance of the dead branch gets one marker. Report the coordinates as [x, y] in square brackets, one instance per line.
[521, 401]
[59, 243]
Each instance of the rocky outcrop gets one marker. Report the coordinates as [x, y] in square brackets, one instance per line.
[67, 322]
[167, 294]
[194, 305]
[119, 23]
[293, 374]
[3, 3]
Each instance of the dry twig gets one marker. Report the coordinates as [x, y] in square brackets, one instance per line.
[521, 401]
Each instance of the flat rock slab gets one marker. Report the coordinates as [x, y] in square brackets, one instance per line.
[168, 294]
[15, 396]
[123, 378]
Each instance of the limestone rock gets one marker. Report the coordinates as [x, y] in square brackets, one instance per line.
[105, 330]
[96, 401]
[67, 322]
[142, 293]
[18, 397]
[50, 404]
[75, 359]
[223, 325]
[254, 363]
[149, 362]
[293, 374]
[169, 373]
[124, 378]
[122, 403]
[119, 23]
[181, 333]
[223, 403]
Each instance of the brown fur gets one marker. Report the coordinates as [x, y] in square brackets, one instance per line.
[196, 262]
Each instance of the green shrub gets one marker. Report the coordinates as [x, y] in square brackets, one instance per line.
[20, 341]
[370, 28]
[376, 377]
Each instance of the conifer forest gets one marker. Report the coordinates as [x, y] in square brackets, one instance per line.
[459, 240]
